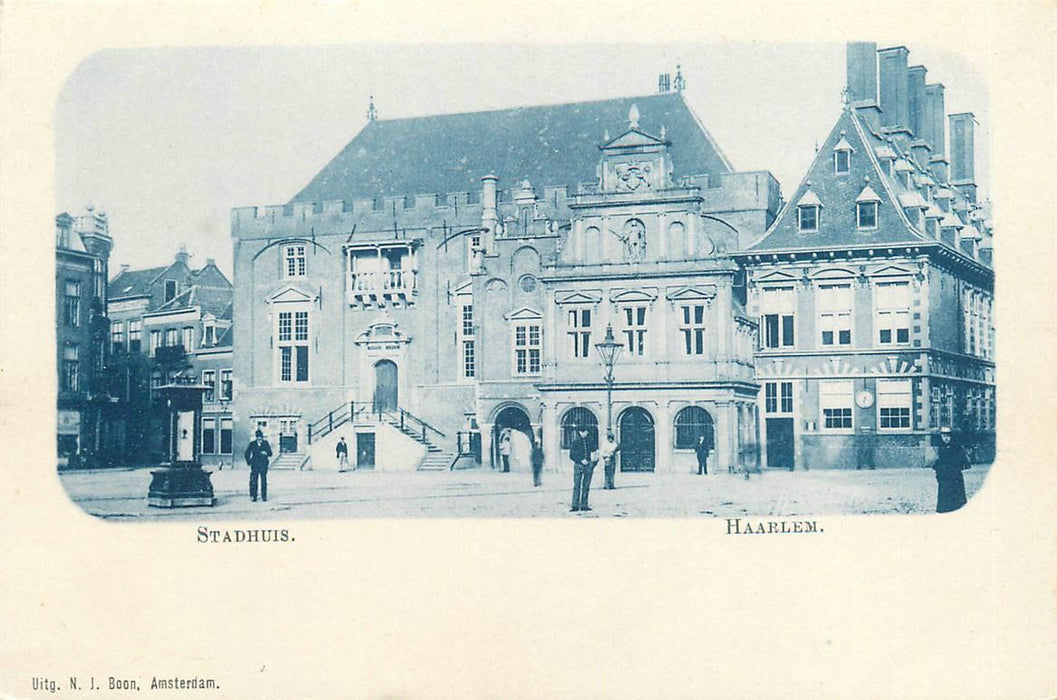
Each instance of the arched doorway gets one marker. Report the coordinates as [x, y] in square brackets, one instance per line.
[573, 418]
[386, 394]
[637, 441]
[509, 418]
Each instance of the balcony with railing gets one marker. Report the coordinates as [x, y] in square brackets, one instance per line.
[381, 274]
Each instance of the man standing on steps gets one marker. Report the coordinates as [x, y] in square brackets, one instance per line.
[257, 455]
[583, 452]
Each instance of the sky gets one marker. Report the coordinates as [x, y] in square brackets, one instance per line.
[168, 141]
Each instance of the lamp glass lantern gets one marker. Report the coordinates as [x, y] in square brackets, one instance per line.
[609, 350]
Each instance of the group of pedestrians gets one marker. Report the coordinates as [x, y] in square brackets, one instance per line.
[585, 451]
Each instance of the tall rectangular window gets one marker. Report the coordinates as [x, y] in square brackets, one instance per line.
[117, 336]
[227, 385]
[777, 313]
[209, 436]
[135, 329]
[469, 359]
[209, 334]
[693, 329]
[893, 404]
[225, 436]
[580, 332]
[209, 378]
[834, 302]
[528, 348]
[778, 397]
[635, 330]
[172, 337]
[189, 338]
[841, 161]
[892, 312]
[71, 303]
[467, 319]
[155, 342]
[293, 346]
[294, 260]
[835, 402]
[70, 368]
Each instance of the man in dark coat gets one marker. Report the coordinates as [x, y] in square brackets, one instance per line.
[341, 451]
[537, 458]
[949, 465]
[257, 455]
[583, 453]
[702, 448]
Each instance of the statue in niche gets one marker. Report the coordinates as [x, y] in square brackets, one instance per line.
[634, 240]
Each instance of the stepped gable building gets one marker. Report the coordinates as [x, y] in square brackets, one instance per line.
[166, 321]
[453, 273]
[82, 257]
[873, 288]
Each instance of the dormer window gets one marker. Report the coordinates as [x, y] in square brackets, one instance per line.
[841, 162]
[866, 215]
[294, 260]
[866, 205]
[842, 156]
[808, 211]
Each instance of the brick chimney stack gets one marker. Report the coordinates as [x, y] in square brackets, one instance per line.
[934, 129]
[182, 256]
[862, 80]
[894, 92]
[963, 170]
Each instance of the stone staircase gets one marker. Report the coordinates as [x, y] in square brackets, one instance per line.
[289, 460]
[437, 458]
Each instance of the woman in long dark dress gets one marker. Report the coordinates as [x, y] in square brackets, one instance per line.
[949, 466]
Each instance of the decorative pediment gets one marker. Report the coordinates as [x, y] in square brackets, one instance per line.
[705, 292]
[291, 295]
[833, 273]
[524, 314]
[776, 276]
[383, 332]
[892, 271]
[633, 138]
[578, 296]
[630, 296]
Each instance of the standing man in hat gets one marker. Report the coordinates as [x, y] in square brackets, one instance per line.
[949, 465]
[257, 455]
[342, 453]
[583, 453]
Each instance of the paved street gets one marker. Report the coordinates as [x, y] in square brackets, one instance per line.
[122, 494]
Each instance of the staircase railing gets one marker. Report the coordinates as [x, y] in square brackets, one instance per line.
[410, 424]
[403, 419]
[334, 419]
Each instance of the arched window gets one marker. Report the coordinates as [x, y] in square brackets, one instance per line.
[576, 417]
[690, 423]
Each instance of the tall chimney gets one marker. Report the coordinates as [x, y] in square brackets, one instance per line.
[862, 71]
[916, 100]
[932, 126]
[893, 92]
[182, 256]
[963, 171]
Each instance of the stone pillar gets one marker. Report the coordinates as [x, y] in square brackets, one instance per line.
[551, 438]
[663, 438]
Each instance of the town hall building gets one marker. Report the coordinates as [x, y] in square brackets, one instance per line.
[446, 277]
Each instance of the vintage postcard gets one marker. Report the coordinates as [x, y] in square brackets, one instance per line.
[351, 337]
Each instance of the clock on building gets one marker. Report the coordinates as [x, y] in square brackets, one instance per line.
[864, 399]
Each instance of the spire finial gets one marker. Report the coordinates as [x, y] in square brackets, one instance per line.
[680, 81]
[372, 113]
[633, 117]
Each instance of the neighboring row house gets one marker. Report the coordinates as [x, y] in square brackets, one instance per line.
[82, 254]
[874, 287]
[164, 322]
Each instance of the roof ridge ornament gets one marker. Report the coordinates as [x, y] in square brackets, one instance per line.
[680, 81]
[372, 113]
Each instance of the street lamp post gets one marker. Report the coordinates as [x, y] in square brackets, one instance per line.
[609, 349]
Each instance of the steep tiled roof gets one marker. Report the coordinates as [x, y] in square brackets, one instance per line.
[131, 283]
[838, 193]
[550, 145]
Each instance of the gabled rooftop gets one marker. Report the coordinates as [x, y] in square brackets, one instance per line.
[550, 145]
